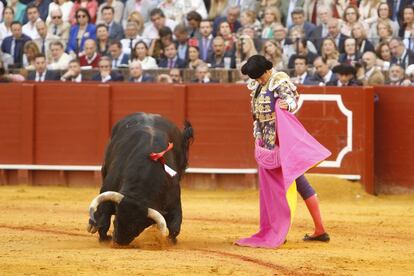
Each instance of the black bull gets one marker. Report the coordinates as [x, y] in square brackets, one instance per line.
[137, 189]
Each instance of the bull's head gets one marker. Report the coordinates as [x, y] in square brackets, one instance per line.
[127, 220]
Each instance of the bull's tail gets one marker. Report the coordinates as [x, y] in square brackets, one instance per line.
[188, 135]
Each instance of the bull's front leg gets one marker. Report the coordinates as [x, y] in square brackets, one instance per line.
[103, 220]
[174, 218]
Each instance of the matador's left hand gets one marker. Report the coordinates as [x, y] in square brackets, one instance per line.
[283, 105]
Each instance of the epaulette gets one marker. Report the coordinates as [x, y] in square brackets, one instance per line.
[278, 79]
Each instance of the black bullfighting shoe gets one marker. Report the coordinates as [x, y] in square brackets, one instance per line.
[322, 238]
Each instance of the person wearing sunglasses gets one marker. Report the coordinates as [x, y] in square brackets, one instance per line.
[80, 32]
[58, 27]
[64, 5]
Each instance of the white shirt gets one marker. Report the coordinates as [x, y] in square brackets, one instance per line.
[65, 9]
[148, 63]
[126, 44]
[301, 78]
[30, 30]
[150, 32]
[40, 78]
[107, 78]
[77, 79]
[327, 76]
[4, 32]
[61, 64]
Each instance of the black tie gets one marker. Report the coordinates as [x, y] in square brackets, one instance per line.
[43, 46]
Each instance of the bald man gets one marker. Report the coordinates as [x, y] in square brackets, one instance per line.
[372, 76]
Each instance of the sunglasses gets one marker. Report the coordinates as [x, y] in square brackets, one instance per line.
[56, 17]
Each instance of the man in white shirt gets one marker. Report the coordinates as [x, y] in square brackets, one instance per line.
[131, 37]
[74, 72]
[29, 28]
[60, 59]
[158, 21]
[44, 39]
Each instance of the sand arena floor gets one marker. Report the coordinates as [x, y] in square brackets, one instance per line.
[43, 233]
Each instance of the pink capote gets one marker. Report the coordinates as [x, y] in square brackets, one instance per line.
[298, 152]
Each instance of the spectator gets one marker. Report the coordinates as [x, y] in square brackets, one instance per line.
[5, 26]
[372, 75]
[44, 39]
[57, 26]
[105, 72]
[171, 59]
[283, 41]
[42, 7]
[119, 59]
[285, 8]
[91, 6]
[329, 52]
[116, 32]
[334, 27]
[345, 76]
[144, 7]
[19, 10]
[334, 9]
[136, 75]
[245, 48]
[181, 36]
[60, 60]
[384, 14]
[158, 21]
[300, 73]
[396, 75]
[80, 32]
[229, 38]
[397, 8]
[249, 18]
[407, 29]
[298, 19]
[74, 72]
[400, 54]
[302, 49]
[193, 24]
[29, 28]
[383, 52]
[321, 30]
[384, 32]
[140, 54]
[272, 52]
[323, 75]
[350, 18]
[175, 75]
[102, 40]
[65, 6]
[13, 44]
[89, 57]
[137, 18]
[368, 11]
[351, 56]
[409, 72]
[118, 7]
[232, 16]
[131, 37]
[296, 34]
[156, 49]
[217, 9]
[164, 78]
[243, 4]
[41, 73]
[30, 51]
[194, 57]
[216, 59]
[270, 18]
[172, 10]
[206, 41]
[203, 75]
[363, 44]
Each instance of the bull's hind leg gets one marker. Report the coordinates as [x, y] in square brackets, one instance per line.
[103, 220]
[174, 219]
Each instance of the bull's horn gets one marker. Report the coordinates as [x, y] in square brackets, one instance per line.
[106, 196]
[159, 219]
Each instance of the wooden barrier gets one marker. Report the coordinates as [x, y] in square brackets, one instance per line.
[54, 133]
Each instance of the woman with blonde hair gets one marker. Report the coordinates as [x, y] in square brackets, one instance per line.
[137, 18]
[30, 50]
[363, 44]
[273, 53]
[248, 19]
[245, 48]
[271, 16]
[330, 52]
[384, 32]
[217, 8]
[384, 13]
[350, 18]
[368, 11]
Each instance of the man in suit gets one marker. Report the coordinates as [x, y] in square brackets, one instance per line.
[14, 44]
[321, 30]
[105, 72]
[74, 72]
[171, 59]
[334, 32]
[181, 40]
[400, 55]
[42, 7]
[300, 48]
[286, 7]
[116, 32]
[41, 74]
[44, 39]
[372, 75]
[216, 59]
[232, 17]
[131, 37]
[351, 55]
[324, 75]
[136, 75]
[89, 57]
[119, 59]
[206, 40]
[298, 19]
[301, 75]
[57, 27]
[203, 75]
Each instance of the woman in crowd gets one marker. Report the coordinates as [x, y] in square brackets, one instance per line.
[194, 57]
[363, 44]
[156, 49]
[296, 33]
[82, 30]
[245, 48]
[90, 5]
[272, 52]
[368, 11]
[18, 8]
[384, 13]
[140, 54]
[65, 7]
[350, 18]
[330, 52]
[173, 10]
[407, 29]
[270, 18]
[8, 15]
[384, 32]
[102, 40]
[249, 18]
[118, 9]
[384, 56]
[30, 50]
[229, 38]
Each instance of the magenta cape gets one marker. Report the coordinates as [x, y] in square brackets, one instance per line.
[298, 152]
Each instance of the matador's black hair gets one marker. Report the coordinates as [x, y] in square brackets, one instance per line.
[256, 66]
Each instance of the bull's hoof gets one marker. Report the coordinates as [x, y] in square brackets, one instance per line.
[91, 228]
[172, 240]
[105, 239]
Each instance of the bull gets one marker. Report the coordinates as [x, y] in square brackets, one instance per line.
[144, 162]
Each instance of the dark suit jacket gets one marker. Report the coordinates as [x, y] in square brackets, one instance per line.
[236, 25]
[307, 28]
[179, 63]
[352, 82]
[124, 60]
[310, 57]
[316, 35]
[18, 48]
[116, 32]
[114, 77]
[341, 45]
[343, 58]
[145, 78]
[368, 47]
[209, 48]
[318, 79]
[198, 81]
[407, 59]
[50, 75]
[212, 60]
